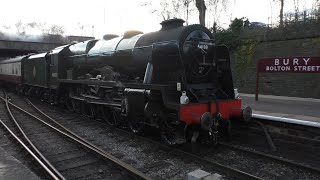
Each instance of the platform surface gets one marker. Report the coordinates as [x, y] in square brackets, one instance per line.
[290, 107]
[13, 169]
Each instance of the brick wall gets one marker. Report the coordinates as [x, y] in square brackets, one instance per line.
[283, 84]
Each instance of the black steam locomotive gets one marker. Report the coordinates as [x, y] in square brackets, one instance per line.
[166, 79]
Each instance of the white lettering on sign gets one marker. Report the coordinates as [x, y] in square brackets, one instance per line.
[297, 64]
[290, 64]
[285, 61]
[288, 61]
[278, 68]
[295, 68]
[307, 68]
[306, 61]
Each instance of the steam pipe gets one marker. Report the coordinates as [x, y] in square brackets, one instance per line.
[287, 120]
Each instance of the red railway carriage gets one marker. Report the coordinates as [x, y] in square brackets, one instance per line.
[11, 70]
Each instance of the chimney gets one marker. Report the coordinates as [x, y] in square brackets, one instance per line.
[171, 23]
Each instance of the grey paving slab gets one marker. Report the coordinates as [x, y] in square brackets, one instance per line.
[13, 169]
[291, 107]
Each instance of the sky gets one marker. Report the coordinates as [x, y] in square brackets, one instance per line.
[99, 17]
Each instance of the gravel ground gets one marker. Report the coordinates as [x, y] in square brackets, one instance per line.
[263, 168]
[161, 163]
[14, 149]
[145, 156]
[154, 160]
[69, 158]
[304, 150]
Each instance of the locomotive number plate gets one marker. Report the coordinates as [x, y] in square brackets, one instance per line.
[205, 45]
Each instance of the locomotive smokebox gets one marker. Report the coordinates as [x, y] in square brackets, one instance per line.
[171, 23]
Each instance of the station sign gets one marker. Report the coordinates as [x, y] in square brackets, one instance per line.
[286, 65]
[290, 64]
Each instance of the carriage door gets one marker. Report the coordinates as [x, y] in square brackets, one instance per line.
[53, 74]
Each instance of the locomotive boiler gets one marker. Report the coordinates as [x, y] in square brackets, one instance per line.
[175, 78]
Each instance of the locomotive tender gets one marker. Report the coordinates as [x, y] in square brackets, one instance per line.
[175, 77]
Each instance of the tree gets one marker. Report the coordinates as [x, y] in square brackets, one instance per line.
[212, 4]
[238, 24]
[231, 36]
[296, 9]
[201, 6]
[281, 11]
[168, 8]
[165, 11]
[21, 28]
[186, 5]
[176, 8]
[215, 8]
[55, 29]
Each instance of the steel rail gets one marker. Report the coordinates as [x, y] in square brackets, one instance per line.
[272, 157]
[102, 153]
[286, 161]
[48, 167]
[221, 167]
[64, 128]
[30, 152]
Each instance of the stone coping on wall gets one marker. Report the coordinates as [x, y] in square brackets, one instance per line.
[287, 98]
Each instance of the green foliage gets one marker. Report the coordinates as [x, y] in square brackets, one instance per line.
[244, 55]
[237, 25]
[243, 50]
[230, 36]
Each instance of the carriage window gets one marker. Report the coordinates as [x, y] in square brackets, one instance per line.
[12, 69]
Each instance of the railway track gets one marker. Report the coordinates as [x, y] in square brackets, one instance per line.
[228, 160]
[295, 145]
[61, 154]
[210, 164]
[249, 156]
[272, 157]
[48, 171]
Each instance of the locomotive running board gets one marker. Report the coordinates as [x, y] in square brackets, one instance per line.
[95, 101]
[118, 84]
[90, 97]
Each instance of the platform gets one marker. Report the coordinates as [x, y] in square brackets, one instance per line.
[13, 169]
[307, 109]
